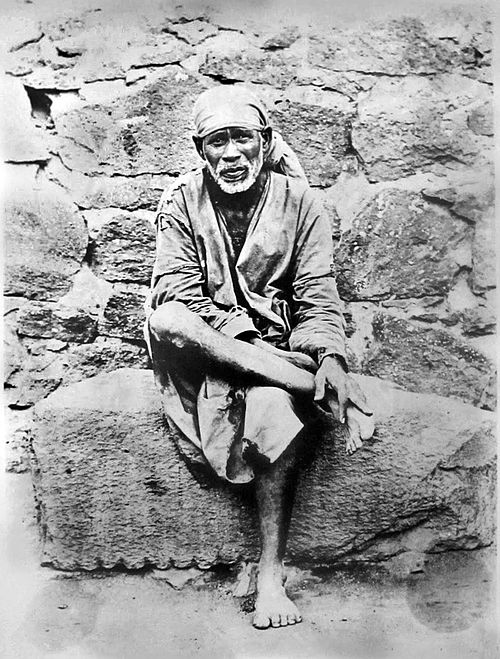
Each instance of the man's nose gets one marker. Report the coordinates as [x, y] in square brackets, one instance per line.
[231, 151]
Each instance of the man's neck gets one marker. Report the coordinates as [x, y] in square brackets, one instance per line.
[240, 201]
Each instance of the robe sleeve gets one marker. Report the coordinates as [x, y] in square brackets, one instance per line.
[178, 275]
[317, 320]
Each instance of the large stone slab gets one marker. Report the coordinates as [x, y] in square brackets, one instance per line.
[112, 489]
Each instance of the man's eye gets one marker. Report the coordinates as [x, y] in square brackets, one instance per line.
[242, 137]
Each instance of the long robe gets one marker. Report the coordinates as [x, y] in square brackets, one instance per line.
[280, 287]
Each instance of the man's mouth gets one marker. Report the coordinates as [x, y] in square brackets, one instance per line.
[234, 173]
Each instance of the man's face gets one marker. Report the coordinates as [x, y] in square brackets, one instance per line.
[234, 157]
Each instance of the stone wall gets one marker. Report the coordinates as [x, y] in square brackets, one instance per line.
[391, 118]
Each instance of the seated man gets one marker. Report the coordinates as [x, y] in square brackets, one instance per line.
[246, 328]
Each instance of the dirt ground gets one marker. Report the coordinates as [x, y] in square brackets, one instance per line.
[445, 611]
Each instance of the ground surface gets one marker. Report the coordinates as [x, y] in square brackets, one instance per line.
[444, 611]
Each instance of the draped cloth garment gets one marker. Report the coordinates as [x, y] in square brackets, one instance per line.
[280, 287]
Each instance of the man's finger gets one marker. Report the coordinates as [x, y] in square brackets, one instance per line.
[319, 383]
[343, 399]
[333, 403]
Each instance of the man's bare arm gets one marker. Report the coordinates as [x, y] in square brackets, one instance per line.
[174, 323]
[296, 358]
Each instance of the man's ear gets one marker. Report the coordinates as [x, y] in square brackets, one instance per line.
[198, 142]
[267, 136]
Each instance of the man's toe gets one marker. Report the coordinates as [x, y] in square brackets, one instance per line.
[291, 619]
[261, 621]
[276, 620]
[284, 620]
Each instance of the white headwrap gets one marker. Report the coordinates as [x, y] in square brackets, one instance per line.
[225, 106]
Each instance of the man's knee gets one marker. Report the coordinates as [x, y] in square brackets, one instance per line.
[171, 322]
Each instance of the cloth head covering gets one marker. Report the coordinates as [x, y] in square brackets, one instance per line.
[224, 106]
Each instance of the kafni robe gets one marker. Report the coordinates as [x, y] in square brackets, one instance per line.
[280, 287]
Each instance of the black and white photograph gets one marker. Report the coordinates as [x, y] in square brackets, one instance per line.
[249, 329]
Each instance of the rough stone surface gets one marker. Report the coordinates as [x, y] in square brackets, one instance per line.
[41, 375]
[257, 66]
[20, 30]
[102, 356]
[42, 326]
[479, 321]
[469, 194]
[427, 478]
[409, 123]
[400, 246]
[22, 141]
[318, 134]
[124, 313]
[398, 47]
[49, 365]
[14, 354]
[98, 192]
[483, 253]
[49, 320]
[124, 250]
[193, 32]
[146, 133]
[44, 241]
[480, 120]
[425, 359]
[17, 437]
[105, 48]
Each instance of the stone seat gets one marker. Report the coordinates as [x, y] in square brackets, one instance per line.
[112, 489]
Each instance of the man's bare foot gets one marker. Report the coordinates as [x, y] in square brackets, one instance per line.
[359, 428]
[359, 425]
[273, 608]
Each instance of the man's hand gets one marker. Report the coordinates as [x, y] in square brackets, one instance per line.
[332, 377]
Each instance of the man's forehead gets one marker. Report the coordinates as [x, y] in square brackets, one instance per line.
[219, 108]
[231, 130]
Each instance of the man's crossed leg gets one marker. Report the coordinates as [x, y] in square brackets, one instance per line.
[281, 376]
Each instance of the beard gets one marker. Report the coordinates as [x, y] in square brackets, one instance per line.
[253, 168]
